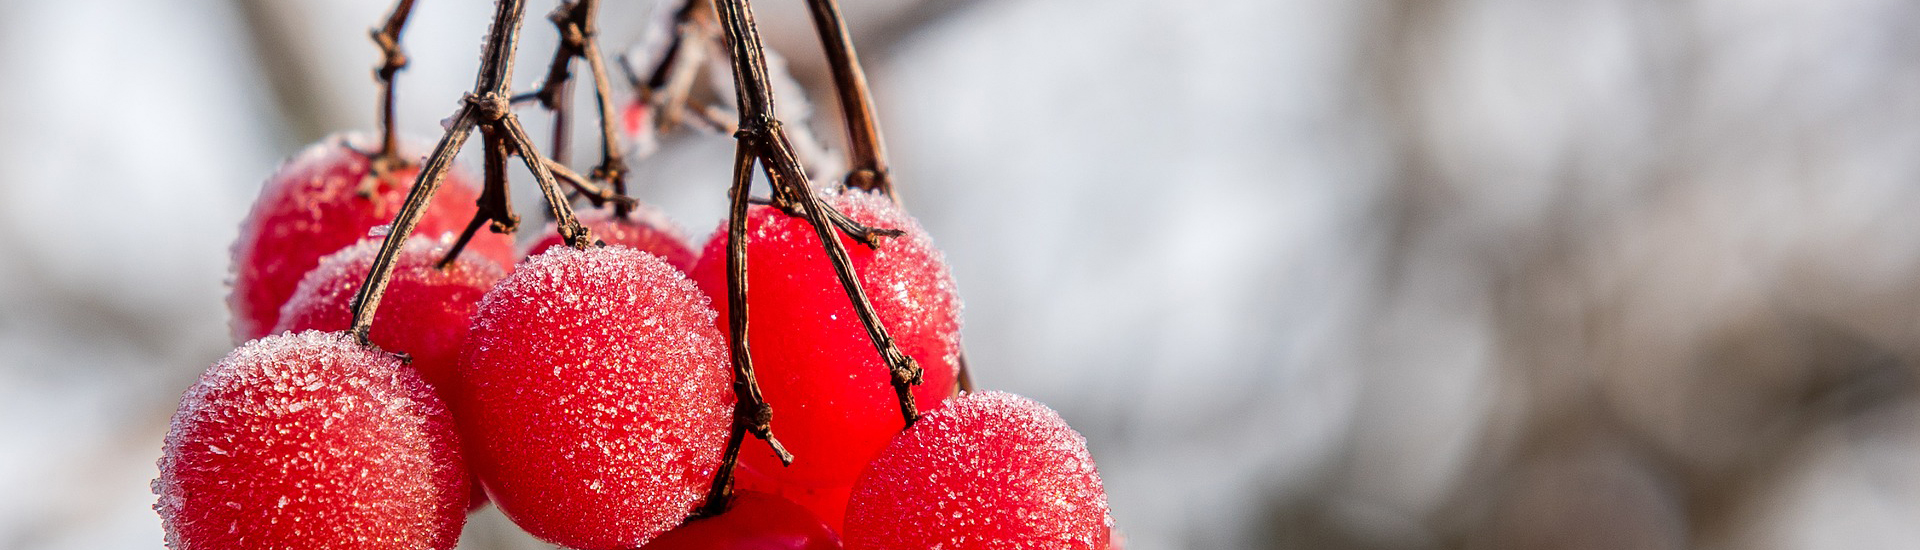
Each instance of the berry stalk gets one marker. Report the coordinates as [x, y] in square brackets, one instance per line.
[392, 60]
[867, 153]
[751, 411]
[575, 21]
[761, 136]
[487, 106]
[494, 204]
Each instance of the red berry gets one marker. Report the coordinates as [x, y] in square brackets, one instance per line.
[425, 313]
[829, 503]
[753, 521]
[320, 201]
[311, 440]
[595, 397]
[644, 229]
[834, 405]
[989, 470]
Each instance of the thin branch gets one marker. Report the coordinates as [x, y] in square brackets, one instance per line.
[367, 300]
[596, 195]
[761, 135]
[561, 68]
[859, 232]
[612, 167]
[867, 154]
[576, 235]
[392, 59]
[488, 105]
[751, 413]
[562, 127]
[494, 204]
[576, 22]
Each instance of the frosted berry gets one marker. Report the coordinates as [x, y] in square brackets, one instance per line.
[595, 397]
[311, 440]
[320, 201]
[644, 229]
[752, 521]
[834, 405]
[425, 313]
[989, 470]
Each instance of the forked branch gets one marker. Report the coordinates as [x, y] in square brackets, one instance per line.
[579, 38]
[751, 414]
[762, 137]
[486, 106]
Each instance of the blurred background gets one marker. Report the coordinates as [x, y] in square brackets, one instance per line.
[1341, 274]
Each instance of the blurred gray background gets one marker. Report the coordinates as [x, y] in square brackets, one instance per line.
[1345, 274]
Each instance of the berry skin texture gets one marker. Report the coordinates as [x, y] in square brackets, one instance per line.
[426, 311]
[311, 440]
[320, 201]
[753, 521]
[832, 397]
[644, 229]
[989, 470]
[829, 503]
[595, 397]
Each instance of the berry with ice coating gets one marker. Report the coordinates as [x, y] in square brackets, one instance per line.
[595, 397]
[320, 201]
[311, 440]
[753, 521]
[832, 396]
[644, 229]
[425, 313]
[989, 470]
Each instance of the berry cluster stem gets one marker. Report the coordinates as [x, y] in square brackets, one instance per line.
[761, 139]
[867, 153]
[392, 59]
[486, 107]
[667, 88]
[579, 38]
[751, 412]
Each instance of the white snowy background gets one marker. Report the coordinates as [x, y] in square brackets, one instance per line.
[1368, 274]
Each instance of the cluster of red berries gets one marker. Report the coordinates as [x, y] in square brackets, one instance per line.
[588, 393]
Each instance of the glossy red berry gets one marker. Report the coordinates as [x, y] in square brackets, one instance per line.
[595, 397]
[834, 405]
[425, 313]
[320, 201]
[827, 502]
[753, 521]
[644, 229]
[989, 470]
[311, 440]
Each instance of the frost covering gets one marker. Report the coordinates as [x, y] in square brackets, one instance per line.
[596, 396]
[988, 471]
[311, 441]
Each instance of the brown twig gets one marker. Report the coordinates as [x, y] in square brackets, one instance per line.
[562, 127]
[494, 204]
[392, 59]
[487, 106]
[867, 154]
[668, 88]
[751, 413]
[762, 137]
[596, 195]
[579, 32]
